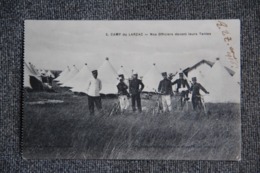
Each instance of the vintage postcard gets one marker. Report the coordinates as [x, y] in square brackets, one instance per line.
[167, 90]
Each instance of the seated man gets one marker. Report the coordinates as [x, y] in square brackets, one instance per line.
[196, 97]
[183, 86]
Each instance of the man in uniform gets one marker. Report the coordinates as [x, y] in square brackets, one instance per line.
[93, 89]
[165, 89]
[182, 83]
[135, 91]
[122, 93]
[196, 97]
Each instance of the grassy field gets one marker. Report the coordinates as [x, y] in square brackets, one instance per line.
[65, 130]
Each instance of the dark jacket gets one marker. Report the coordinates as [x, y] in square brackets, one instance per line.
[165, 87]
[122, 88]
[135, 86]
[181, 83]
[195, 88]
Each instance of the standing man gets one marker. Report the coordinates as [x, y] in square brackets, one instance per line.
[196, 97]
[165, 89]
[122, 93]
[182, 86]
[135, 91]
[93, 89]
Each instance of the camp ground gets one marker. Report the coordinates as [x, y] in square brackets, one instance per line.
[60, 112]
[206, 72]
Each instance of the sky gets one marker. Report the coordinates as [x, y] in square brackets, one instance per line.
[133, 44]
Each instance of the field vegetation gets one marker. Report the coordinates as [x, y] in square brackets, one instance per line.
[66, 130]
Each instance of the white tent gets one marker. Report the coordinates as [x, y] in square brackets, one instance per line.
[80, 80]
[152, 79]
[108, 76]
[33, 72]
[126, 75]
[70, 75]
[33, 69]
[222, 87]
[200, 73]
[63, 74]
[123, 71]
[27, 74]
[50, 74]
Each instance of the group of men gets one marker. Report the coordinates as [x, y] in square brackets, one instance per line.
[135, 88]
[183, 88]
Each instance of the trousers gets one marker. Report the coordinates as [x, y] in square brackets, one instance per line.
[196, 103]
[166, 102]
[92, 101]
[123, 102]
[136, 99]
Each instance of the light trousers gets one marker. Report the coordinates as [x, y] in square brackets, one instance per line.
[124, 103]
[166, 102]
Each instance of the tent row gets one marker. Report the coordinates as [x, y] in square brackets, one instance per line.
[77, 80]
[32, 79]
[36, 79]
[213, 76]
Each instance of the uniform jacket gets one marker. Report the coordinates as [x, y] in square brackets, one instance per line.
[195, 88]
[181, 83]
[135, 86]
[165, 87]
[122, 88]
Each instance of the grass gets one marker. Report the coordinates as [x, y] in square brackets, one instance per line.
[65, 130]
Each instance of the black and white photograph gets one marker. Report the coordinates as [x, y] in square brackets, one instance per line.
[149, 90]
